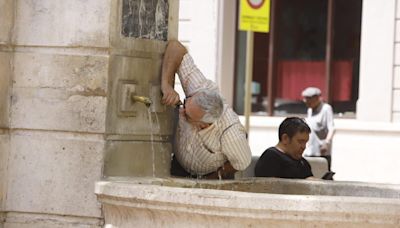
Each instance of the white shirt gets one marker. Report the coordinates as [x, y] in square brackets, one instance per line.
[204, 151]
[320, 122]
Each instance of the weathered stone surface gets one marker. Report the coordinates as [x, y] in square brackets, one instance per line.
[396, 117]
[397, 54]
[2, 219]
[54, 173]
[6, 20]
[144, 73]
[396, 77]
[140, 203]
[134, 159]
[396, 100]
[33, 220]
[63, 23]
[5, 71]
[127, 44]
[145, 19]
[40, 70]
[67, 92]
[4, 148]
[57, 110]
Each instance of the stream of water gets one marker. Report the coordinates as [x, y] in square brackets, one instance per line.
[152, 129]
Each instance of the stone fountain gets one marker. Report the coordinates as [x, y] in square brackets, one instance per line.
[80, 103]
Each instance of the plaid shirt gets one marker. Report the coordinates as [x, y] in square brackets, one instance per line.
[204, 151]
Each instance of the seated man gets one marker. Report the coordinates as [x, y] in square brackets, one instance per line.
[210, 141]
[285, 159]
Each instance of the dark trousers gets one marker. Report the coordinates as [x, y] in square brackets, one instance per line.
[329, 159]
[178, 171]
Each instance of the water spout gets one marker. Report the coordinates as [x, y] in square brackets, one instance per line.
[142, 99]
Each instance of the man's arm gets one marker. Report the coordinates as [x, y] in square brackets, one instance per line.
[172, 59]
[331, 131]
[236, 147]
[330, 125]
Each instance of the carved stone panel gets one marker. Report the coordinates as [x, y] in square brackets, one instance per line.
[146, 19]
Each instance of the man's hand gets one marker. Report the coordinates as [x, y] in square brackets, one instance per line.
[225, 172]
[324, 147]
[170, 96]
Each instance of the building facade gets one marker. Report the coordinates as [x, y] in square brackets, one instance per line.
[367, 123]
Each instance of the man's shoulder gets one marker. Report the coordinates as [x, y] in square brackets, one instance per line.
[271, 152]
[326, 106]
[269, 157]
[228, 116]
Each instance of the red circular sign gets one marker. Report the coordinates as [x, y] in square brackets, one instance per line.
[255, 4]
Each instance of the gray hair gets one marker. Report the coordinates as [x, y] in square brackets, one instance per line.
[211, 103]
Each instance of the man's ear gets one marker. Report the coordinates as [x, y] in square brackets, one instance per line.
[285, 138]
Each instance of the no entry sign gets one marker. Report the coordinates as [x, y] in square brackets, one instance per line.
[254, 15]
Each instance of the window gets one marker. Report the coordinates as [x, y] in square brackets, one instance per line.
[300, 59]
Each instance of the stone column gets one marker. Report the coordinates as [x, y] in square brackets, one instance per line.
[61, 63]
[6, 57]
[376, 61]
[138, 137]
[56, 67]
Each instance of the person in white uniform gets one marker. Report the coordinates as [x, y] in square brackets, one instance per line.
[320, 120]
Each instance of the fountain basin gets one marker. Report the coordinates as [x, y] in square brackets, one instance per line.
[252, 202]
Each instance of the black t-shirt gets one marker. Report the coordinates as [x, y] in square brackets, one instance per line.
[274, 163]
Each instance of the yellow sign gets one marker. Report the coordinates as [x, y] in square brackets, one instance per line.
[254, 15]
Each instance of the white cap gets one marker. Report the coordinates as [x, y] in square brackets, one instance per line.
[311, 91]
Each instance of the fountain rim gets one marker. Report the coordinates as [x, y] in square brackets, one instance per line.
[228, 203]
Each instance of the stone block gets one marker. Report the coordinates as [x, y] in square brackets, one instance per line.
[396, 100]
[59, 92]
[396, 117]
[4, 149]
[397, 77]
[52, 109]
[397, 11]
[5, 72]
[144, 73]
[63, 23]
[2, 219]
[397, 35]
[137, 159]
[61, 71]
[6, 20]
[54, 173]
[32, 220]
[397, 54]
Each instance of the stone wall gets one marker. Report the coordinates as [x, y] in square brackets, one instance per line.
[396, 75]
[6, 57]
[61, 65]
[54, 56]
[378, 96]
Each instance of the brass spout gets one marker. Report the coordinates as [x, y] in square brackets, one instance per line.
[142, 99]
